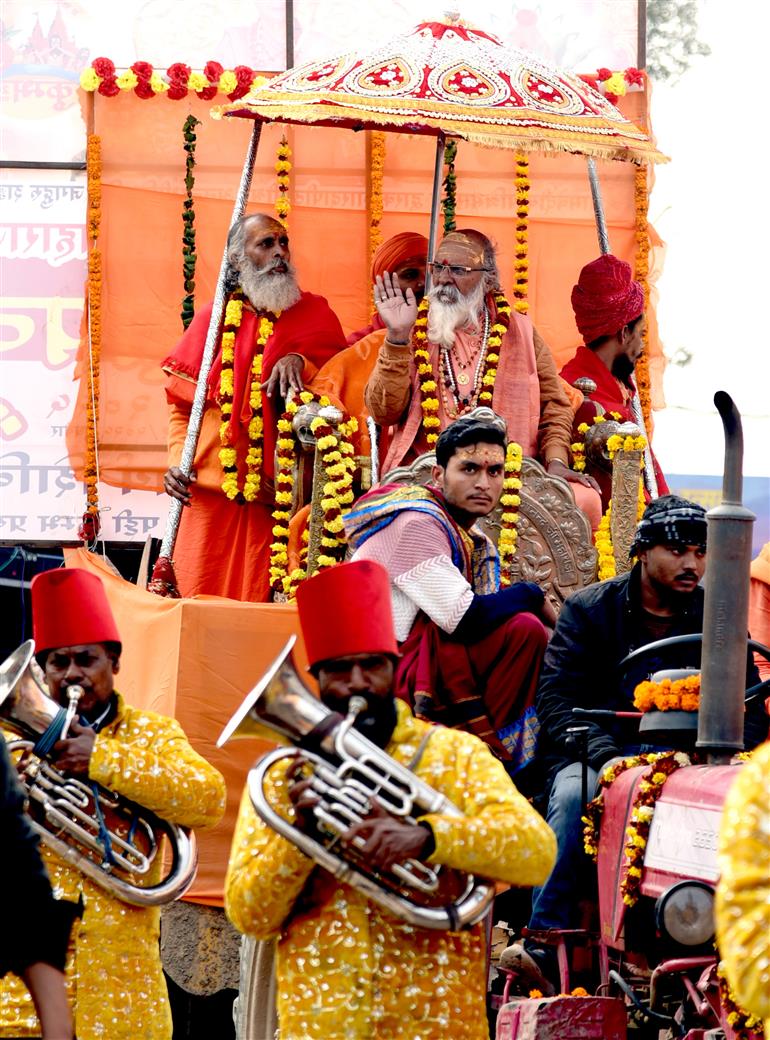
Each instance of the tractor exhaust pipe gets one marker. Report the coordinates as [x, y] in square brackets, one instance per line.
[726, 604]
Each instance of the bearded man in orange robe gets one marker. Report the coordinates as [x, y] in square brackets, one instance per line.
[281, 337]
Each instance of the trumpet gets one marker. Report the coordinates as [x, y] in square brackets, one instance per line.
[346, 773]
[109, 839]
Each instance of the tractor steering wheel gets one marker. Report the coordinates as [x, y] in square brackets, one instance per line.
[697, 637]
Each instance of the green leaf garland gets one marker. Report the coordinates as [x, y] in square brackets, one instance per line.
[189, 256]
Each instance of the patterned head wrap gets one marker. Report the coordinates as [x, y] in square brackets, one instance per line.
[605, 298]
[399, 250]
[670, 520]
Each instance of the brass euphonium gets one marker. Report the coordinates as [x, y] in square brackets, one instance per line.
[108, 838]
[346, 773]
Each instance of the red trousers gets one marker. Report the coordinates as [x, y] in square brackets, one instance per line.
[483, 686]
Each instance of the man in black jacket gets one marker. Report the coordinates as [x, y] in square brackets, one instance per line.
[597, 628]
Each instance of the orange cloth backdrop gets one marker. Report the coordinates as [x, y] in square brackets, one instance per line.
[195, 660]
[142, 192]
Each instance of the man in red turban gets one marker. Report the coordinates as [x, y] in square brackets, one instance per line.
[609, 314]
[346, 965]
[404, 255]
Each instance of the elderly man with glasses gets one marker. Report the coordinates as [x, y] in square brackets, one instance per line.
[462, 347]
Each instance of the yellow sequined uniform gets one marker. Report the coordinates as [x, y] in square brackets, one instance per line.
[114, 976]
[743, 893]
[345, 967]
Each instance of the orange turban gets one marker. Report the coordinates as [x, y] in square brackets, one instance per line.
[399, 250]
[605, 298]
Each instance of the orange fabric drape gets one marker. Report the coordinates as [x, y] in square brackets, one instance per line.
[142, 192]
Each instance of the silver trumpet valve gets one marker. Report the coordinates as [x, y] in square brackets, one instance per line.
[74, 693]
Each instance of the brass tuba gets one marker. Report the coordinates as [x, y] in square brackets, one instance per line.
[347, 771]
[108, 838]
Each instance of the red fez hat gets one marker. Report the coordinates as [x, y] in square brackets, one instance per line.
[70, 608]
[346, 610]
[605, 298]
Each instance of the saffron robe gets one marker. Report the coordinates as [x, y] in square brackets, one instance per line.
[223, 547]
[346, 968]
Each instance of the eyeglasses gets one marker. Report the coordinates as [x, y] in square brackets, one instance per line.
[455, 270]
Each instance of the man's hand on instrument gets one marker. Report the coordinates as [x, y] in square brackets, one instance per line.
[387, 840]
[286, 375]
[302, 797]
[561, 469]
[176, 484]
[398, 312]
[74, 754]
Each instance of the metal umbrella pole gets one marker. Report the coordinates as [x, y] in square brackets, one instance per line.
[163, 581]
[650, 480]
[435, 206]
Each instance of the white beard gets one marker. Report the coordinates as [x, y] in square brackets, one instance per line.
[269, 292]
[450, 310]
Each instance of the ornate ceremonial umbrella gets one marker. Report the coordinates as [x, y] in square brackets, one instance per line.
[442, 78]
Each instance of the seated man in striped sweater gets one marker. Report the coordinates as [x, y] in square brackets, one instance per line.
[470, 651]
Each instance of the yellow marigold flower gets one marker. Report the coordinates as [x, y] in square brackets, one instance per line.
[282, 166]
[157, 84]
[127, 80]
[335, 525]
[616, 84]
[227, 456]
[429, 386]
[89, 80]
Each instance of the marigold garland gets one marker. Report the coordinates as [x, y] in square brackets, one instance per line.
[578, 449]
[90, 525]
[179, 80]
[521, 262]
[449, 199]
[603, 536]
[283, 168]
[595, 809]
[227, 453]
[375, 186]
[660, 767]
[189, 256]
[510, 500]
[641, 273]
[338, 460]
[428, 385]
[668, 695]
[638, 831]
[744, 1025]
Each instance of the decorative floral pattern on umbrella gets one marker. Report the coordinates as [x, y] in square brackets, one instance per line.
[453, 78]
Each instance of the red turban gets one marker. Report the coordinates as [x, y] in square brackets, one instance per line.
[70, 608]
[605, 298]
[399, 250]
[346, 610]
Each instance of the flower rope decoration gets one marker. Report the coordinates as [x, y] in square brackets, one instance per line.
[744, 1025]
[89, 527]
[603, 536]
[594, 809]
[375, 186]
[338, 461]
[510, 500]
[578, 449]
[668, 695]
[521, 262]
[649, 790]
[227, 453]
[449, 199]
[486, 371]
[189, 256]
[283, 168]
[146, 82]
[641, 272]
